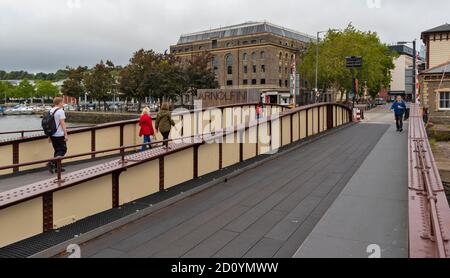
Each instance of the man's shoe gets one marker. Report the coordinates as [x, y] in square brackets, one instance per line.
[50, 168]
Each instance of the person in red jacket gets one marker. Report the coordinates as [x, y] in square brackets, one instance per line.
[146, 124]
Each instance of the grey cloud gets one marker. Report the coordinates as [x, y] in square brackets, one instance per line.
[46, 35]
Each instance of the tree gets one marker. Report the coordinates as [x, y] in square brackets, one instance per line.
[337, 45]
[73, 85]
[99, 81]
[46, 89]
[135, 79]
[6, 90]
[25, 90]
[197, 74]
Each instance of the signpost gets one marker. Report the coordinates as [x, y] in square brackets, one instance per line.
[352, 63]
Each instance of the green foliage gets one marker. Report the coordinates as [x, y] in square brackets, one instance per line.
[99, 81]
[73, 85]
[45, 88]
[19, 75]
[337, 45]
[25, 89]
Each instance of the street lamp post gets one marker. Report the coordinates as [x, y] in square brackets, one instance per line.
[414, 43]
[316, 89]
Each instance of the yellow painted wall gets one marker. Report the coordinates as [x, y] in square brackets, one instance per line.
[230, 152]
[264, 138]
[21, 221]
[295, 127]
[178, 167]
[439, 52]
[249, 148]
[138, 182]
[286, 122]
[302, 124]
[79, 143]
[80, 201]
[310, 122]
[208, 158]
[6, 158]
[316, 121]
[108, 138]
[34, 151]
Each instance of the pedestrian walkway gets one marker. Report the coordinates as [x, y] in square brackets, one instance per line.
[265, 212]
[373, 207]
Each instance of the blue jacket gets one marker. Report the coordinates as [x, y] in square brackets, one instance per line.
[399, 108]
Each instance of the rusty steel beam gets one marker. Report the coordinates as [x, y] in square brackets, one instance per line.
[429, 211]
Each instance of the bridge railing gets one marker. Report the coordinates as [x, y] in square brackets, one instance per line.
[54, 203]
[114, 135]
[429, 211]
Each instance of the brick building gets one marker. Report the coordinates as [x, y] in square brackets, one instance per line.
[252, 55]
[435, 80]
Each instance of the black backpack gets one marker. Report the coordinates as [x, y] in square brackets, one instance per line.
[49, 124]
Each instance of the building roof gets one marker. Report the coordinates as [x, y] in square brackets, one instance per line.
[243, 29]
[439, 69]
[402, 49]
[443, 28]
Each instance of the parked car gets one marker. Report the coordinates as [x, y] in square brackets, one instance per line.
[380, 101]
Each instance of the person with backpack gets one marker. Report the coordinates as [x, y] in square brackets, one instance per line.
[399, 108]
[164, 122]
[146, 124]
[54, 127]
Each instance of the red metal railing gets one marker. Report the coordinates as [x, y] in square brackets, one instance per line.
[429, 211]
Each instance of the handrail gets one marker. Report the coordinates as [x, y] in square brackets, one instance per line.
[22, 132]
[123, 164]
[429, 211]
[122, 148]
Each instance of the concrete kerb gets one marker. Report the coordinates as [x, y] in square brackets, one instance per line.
[60, 248]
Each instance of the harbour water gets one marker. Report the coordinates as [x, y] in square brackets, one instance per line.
[25, 122]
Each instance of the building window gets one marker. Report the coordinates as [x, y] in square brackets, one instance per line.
[254, 68]
[214, 44]
[263, 81]
[245, 56]
[254, 56]
[245, 42]
[253, 81]
[280, 55]
[229, 82]
[279, 70]
[292, 71]
[200, 48]
[215, 65]
[286, 56]
[245, 69]
[285, 83]
[263, 55]
[245, 82]
[292, 57]
[286, 70]
[186, 49]
[263, 68]
[229, 63]
[253, 41]
[280, 82]
[228, 44]
[444, 100]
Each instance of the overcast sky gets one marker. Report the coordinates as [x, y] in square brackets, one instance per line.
[45, 35]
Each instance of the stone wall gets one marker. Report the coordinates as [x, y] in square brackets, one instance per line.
[98, 117]
[430, 99]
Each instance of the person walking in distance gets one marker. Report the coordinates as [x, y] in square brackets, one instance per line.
[164, 122]
[399, 108]
[146, 124]
[259, 111]
[57, 133]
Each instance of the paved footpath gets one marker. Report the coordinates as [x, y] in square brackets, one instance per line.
[266, 212]
[373, 206]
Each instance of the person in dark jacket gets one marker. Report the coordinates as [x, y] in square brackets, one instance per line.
[399, 108]
[146, 124]
[164, 122]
